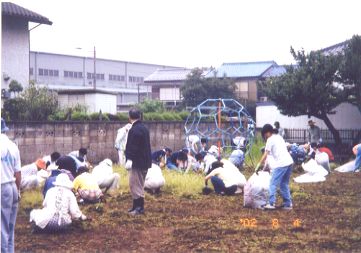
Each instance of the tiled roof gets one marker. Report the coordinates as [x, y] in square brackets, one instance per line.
[13, 10]
[168, 74]
[334, 49]
[274, 71]
[243, 69]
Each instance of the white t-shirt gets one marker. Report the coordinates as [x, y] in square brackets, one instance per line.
[10, 159]
[277, 148]
[229, 176]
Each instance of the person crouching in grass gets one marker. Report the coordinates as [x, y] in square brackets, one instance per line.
[224, 180]
[86, 187]
[281, 167]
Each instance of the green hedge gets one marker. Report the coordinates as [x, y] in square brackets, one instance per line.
[150, 116]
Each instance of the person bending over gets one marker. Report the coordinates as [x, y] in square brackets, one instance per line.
[29, 173]
[222, 179]
[178, 160]
[106, 178]
[161, 157]
[86, 186]
[59, 207]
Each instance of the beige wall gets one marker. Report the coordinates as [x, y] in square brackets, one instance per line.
[246, 89]
[14, 51]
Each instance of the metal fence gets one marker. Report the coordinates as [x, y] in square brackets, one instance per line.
[349, 136]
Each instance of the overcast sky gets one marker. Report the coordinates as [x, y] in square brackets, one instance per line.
[192, 33]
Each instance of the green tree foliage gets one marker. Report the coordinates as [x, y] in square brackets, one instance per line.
[34, 104]
[350, 71]
[197, 88]
[151, 106]
[14, 109]
[15, 87]
[308, 88]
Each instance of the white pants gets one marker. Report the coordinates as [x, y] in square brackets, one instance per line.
[121, 155]
[110, 182]
[29, 182]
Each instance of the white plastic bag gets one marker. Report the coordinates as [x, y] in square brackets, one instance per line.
[256, 190]
[154, 178]
[323, 160]
[347, 167]
[314, 173]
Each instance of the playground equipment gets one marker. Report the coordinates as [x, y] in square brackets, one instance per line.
[224, 122]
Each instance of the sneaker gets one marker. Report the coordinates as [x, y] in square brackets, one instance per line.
[287, 207]
[269, 207]
[358, 170]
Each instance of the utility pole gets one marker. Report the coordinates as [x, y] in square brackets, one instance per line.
[138, 94]
[95, 72]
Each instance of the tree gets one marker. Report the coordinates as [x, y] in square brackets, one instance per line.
[151, 106]
[40, 102]
[197, 88]
[15, 87]
[34, 103]
[350, 71]
[308, 88]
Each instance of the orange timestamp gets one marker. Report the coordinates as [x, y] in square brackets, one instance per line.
[272, 223]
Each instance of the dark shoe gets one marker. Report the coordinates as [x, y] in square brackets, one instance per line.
[134, 206]
[137, 211]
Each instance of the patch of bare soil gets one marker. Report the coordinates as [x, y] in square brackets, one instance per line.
[326, 218]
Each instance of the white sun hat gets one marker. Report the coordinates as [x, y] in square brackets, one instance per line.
[63, 181]
[108, 162]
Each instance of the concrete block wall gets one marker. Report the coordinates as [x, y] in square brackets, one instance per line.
[36, 139]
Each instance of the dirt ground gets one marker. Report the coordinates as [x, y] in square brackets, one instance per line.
[326, 218]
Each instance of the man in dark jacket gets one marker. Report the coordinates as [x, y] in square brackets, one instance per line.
[139, 159]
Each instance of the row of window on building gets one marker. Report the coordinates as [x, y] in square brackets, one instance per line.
[76, 74]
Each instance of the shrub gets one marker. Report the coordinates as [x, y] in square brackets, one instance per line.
[80, 116]
[168, 116]
[122, 116]
[150, 106]
[59, 115]
[153, 116]
[109, 116]
[94, 116]
[14, 108]
[183, 115]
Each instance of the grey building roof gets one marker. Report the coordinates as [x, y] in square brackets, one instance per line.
[334, 49]
[168, 74]
[68, 88]
[85, 91]
[274, 71]
[13, 10]
[243, 69]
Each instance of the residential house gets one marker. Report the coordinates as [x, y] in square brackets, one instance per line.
[165, 84]
[15, 40]
[246, 75]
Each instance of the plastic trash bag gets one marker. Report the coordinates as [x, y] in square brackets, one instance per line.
[314, 173]
[237, 157]
[154, 178]
[347, 167]
[256, 190]
[323, 160]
